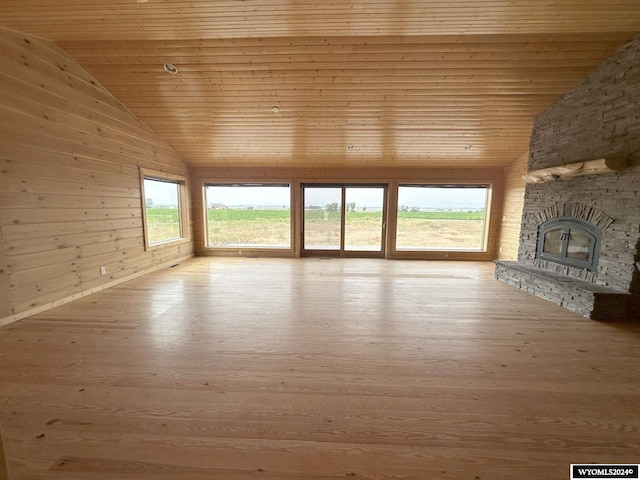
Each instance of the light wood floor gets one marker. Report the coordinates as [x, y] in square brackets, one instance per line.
[236, 369]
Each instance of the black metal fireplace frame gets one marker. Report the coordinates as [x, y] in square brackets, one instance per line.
[567, 224]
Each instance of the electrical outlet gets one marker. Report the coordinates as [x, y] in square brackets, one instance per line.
[103, 270]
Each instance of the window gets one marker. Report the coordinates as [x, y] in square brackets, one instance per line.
[165, 208]
[248, 215]
[442, 217]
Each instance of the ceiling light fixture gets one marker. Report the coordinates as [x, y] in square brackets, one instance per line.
[275, 109]
[170, 68]
[350, 146]
[468, 147]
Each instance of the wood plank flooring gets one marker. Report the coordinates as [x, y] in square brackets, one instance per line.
[317, 369]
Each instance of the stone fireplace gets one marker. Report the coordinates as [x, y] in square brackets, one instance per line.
[579, 241]
[573, 252]
[571, 241]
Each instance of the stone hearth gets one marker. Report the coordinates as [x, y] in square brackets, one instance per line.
[585, 298]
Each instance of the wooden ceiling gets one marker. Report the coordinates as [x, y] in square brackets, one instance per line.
[322, 83]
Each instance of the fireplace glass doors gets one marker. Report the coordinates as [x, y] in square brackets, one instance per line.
[569, 241]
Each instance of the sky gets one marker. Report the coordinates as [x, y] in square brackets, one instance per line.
[471, 198]
[363, 197]
[254, 195]
[164, 193]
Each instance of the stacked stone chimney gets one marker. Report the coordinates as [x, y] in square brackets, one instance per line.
[599, 118]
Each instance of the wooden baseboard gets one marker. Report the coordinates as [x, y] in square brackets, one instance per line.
[43, 308]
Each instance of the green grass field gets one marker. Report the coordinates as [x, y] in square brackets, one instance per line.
[415, 230]
[437, 229]
[283, 215]
[162, 224]
[443, 215]
[248, 215]
[249, 227]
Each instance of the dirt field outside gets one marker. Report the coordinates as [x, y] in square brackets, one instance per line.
[272, 228]
[416, 230]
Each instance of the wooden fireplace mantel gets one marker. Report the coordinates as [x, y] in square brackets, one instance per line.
[570, 170]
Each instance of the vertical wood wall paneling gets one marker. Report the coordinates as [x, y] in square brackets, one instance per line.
[512, 206]
[69, 181]
[390, 176]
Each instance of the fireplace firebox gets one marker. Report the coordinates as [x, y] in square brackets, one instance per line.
[566, 253]
[569, 241]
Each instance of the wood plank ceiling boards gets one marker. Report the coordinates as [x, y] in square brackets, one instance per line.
[326, 84]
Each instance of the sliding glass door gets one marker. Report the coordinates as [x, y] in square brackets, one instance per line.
[344, 220]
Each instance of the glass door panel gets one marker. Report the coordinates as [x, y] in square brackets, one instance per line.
[363, 225]
[579, 245]
[553, 242]
[322, 218]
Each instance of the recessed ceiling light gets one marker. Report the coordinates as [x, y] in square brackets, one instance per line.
[468, 147]
[170, 68]
[350, 146]
[275, 109]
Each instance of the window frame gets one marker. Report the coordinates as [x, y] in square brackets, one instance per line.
[447, 252]
[264, 250]
[183, 206]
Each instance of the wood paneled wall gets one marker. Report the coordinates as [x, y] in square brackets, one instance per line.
[390, 176]
[512, 205]
[70, 155]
